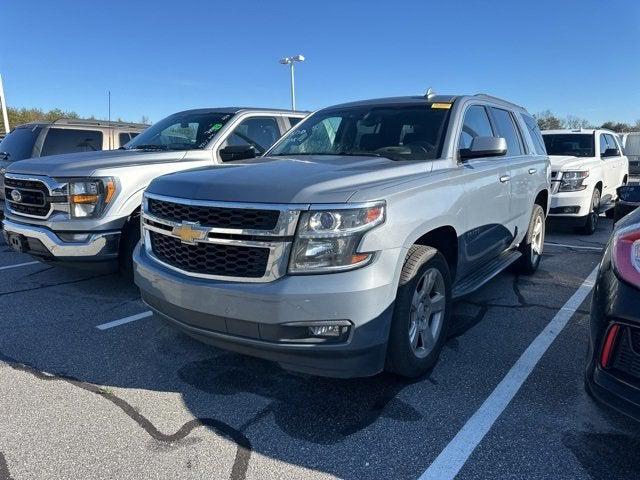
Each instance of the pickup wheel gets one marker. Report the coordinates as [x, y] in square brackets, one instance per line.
[128, 241]
[532, 244]
[591, 222]
[421, 314]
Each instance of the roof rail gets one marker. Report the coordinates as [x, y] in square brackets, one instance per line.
[497, 99]
[97, 123]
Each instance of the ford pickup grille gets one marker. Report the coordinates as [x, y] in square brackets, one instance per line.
[32, 199]
[215, 217]
[210, 258]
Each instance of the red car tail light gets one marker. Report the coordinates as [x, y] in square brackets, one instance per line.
[609, 343]
[626, 254]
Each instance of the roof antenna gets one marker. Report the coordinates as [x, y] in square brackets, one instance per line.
[430, 93]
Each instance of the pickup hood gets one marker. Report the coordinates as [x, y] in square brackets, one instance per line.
[303, 179]
[562, 162]
[85, 163]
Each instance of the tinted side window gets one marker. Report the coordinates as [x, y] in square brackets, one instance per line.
[124, 138]
[603, 144]
[611, 142]
[66, 140]
[536, 136]
[476, 124]
[507, 130]
[294, 121]
[261, 132]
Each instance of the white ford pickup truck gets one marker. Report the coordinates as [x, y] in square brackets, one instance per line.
[587, 166]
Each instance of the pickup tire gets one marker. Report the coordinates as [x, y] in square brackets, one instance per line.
[421, 316]
[591, 221]
[532, 244]
[128, 240]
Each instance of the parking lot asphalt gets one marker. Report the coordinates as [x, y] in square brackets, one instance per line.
[136, 399]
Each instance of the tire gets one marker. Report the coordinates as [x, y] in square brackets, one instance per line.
[611, 213]
[591, 222]
[129, 239]
[533, 244]
[419, 327]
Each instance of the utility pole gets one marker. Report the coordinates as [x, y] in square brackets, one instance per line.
[3, 101]
[109, 119]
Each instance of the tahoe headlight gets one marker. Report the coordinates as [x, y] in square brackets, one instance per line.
[573, 181]
[327, 240]
[88, 198]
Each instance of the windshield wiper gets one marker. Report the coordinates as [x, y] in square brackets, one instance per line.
[150, 146]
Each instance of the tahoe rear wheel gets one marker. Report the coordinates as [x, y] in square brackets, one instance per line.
[533, 244]
[421, 314]
[591, 222]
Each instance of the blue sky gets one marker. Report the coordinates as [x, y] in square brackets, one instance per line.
[157, 57]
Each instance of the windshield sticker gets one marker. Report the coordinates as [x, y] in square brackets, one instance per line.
[445, 106]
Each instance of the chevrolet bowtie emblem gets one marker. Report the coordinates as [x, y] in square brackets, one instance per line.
[189, 232]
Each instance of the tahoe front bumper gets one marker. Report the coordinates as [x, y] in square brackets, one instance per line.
[268, 320]
[45, 244]
[571, 204]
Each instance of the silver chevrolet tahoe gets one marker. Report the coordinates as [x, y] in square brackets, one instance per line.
[340, 252]
[83, 209]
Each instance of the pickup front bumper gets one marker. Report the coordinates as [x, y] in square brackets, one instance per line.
[97, 250]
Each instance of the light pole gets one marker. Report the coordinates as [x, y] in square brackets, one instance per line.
[290, 61]
[3, 103]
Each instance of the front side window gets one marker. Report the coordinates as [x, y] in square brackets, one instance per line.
[569, 144]
[476, 124]
[124, 138]
[258, 132]
[536, 136]
[396, 132]
[68, 140]
[18, 144]
[507, 130]
[610, 143]
[181, 131]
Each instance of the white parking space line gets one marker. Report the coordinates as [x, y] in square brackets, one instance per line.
[581, 247]
[17, 265]
[457, 452]
[122, 321]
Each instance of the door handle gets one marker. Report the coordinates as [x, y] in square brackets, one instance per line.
[505, 178]
[532, 171]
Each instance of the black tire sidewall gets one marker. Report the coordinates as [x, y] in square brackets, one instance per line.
[400, 356]
[129, 239]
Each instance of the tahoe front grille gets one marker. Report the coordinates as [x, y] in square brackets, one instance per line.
[215, 217]
[33, 198]
[210, 258]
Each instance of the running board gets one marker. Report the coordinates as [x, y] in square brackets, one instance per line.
[479, 277]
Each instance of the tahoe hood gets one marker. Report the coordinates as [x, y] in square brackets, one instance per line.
[291, 179]
[566, 162]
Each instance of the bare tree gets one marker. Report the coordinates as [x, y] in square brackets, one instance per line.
[548, 121]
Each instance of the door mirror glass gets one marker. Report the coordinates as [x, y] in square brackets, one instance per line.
[611, 152]
[484, 147]
[237, 152]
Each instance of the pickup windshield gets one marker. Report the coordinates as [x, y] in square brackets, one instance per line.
[397, 132]
[181, 131]
[18, 145]
[572, 144]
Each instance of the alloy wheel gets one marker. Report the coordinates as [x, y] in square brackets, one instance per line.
[427, 312]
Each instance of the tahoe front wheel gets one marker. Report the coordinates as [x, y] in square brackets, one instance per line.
[533, 243]
[421, 314]
[591, 222]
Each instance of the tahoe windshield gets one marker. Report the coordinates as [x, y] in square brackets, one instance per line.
[181, 131]
[397, 132]
[573, 144]
[18, 145]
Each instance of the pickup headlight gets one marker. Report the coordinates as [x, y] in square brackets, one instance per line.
[573, 181]
[327, 240]
[88, 198]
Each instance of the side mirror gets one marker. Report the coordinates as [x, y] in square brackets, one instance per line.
[611, 152]
[237, 152]
[485, 147]
[629, 193]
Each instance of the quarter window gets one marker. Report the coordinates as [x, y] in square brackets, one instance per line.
[536, 136]
[507, 130]
[293, 121]
[67, 140]
[476, 124]
[259, 132]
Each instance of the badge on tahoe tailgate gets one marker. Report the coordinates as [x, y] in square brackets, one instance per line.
[189, 232]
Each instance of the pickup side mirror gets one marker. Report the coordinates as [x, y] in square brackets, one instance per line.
[484, 147]
[237, 152]
[611, 152]
[629, 193]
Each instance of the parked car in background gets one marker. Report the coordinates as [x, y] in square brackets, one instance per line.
[613, 366]
[631, 145]
[628, 201]
[83, 209]
[340, 252]
[587, 168]
[66, 135]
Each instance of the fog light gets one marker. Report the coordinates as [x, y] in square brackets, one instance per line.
[326, 331]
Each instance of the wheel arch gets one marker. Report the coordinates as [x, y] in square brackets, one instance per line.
[445, 240]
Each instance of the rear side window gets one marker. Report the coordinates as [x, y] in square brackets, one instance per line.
[476, 124]
[67, 140]
[631, 145]
[536, 136]
[507, 130]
